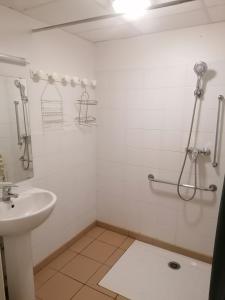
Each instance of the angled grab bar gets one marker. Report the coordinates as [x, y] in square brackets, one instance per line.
[211, 188]
[215, 158]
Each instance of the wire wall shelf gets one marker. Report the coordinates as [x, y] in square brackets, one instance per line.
[84, 117]
[52, 111]
[55, 117]
[87, 102]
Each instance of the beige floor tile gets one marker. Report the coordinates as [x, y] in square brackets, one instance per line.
[81, 244]
[41, 277]
[99, 251]
[81, 268]
[60, 261]
[96, 278]
[114, 257]
[95, 232]
[127, 243]
[59, 287]
[112, 238]
[87, 293]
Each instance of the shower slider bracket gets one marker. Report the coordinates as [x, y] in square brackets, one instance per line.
[211, 188]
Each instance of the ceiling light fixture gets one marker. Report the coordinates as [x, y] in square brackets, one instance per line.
[131, 8]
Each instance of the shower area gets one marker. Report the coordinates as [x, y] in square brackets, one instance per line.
[193, 152]
[160, 145]
[151, 263]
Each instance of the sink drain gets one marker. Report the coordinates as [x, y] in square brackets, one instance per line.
[174, 265]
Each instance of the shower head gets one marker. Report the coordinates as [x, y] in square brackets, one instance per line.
[21, 87]
[200, 68]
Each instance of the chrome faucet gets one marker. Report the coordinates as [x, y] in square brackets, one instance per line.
[7, 194]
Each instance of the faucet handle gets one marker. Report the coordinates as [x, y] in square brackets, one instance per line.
[13, 195]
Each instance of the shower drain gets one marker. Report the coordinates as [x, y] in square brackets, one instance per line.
[174, 265]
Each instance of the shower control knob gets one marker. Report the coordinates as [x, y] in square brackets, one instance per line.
[206, 151]
[196, 151]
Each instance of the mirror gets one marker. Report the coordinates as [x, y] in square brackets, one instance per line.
[15, 138]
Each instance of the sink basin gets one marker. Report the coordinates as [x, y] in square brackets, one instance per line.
[31, 209]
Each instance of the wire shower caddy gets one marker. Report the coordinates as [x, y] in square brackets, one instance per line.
[52, 110]
[84, 103]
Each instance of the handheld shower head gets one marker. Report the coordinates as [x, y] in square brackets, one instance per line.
[200, 68]
[21, 87]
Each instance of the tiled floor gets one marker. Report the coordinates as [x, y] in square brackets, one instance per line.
[75, 274]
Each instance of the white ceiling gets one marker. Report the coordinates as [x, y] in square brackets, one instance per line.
[52, 12]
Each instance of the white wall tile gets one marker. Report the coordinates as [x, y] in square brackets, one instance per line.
[217, 13]
[195, 227]
[145, 119]
[165, 77]
[64, 161]
[158, 116]
[158, 221]
[141, 138]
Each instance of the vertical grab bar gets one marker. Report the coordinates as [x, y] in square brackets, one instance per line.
[215, 161]
[17, 123]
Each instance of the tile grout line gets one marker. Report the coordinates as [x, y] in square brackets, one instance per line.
[75, 255]
[59, 271]
[47, 279]
[112, 244]
[102, 264]
[77, 292]
[85, 284]
[84, 247]
[94, 239]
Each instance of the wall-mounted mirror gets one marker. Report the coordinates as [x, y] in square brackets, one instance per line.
[15, 138]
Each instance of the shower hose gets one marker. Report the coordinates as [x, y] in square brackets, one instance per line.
[198, 94]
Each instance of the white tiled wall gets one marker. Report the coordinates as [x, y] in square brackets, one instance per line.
[64, 160]
[145, 91]
[146, 98]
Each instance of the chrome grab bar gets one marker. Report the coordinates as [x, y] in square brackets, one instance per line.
[18, 123]
[211, 188]
[215, 159]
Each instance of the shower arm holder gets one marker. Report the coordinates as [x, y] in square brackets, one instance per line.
[211, 188]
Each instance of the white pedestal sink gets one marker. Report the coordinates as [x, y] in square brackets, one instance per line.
[31, 209]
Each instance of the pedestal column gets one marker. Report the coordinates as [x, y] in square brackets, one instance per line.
[19, 267]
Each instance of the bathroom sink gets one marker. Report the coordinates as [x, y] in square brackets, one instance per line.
[31, 208]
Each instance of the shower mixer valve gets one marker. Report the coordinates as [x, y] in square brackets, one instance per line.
[196, 151]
